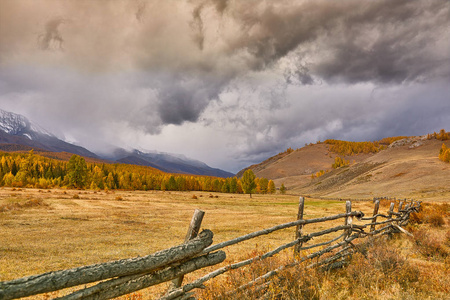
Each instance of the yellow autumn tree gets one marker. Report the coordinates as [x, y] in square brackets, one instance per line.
[444, 153]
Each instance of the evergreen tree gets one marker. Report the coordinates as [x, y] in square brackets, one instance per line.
[77, 171]
[263, 185]
[233, 185]
[248, 182]
[282, 189]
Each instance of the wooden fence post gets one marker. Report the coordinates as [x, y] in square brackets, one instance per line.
[375, 212]
[194, 228]
[298, 229]
[390, 214]
[391, 210]
[349, 219]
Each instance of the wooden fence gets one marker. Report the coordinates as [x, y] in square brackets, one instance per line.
[125, 276]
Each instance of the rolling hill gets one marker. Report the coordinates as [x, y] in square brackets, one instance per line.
[408, 168]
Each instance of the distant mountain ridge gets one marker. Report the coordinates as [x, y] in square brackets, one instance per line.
[19, 133]
[170, 163]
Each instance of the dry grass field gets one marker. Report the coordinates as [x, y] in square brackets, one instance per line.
[47, 230]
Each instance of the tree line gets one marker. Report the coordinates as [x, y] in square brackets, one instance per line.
[346, 148]
[32, 170]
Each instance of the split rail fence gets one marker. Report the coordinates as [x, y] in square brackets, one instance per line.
[126, 276]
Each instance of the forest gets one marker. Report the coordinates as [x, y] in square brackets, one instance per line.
[36, 171]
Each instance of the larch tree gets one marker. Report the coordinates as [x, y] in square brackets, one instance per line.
[264, 185]
[77, 171]
[282, 189]
[271, 187]
[248, 182]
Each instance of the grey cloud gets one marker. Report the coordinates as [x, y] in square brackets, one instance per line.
[381, 41]
[185, 55]
[216, 41]
[356, 113]
[52, 38]
[197, 27]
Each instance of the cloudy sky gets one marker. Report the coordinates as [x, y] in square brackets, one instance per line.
[227, 82]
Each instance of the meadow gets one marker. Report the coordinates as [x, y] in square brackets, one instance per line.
[47, 230]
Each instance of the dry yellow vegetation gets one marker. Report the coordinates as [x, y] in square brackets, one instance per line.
[47, 230]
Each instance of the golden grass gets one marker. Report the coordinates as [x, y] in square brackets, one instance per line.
[71, 228]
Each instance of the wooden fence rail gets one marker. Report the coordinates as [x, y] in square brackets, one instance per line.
[129, 275]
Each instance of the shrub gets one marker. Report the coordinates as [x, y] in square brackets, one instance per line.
[76, 196]
[428, 244]
[432, 214]
[435, 219]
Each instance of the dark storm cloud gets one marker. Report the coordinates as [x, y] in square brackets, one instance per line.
[149, 64]
[217, 41]
[381, 41]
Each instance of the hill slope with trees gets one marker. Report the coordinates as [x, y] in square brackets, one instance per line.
[393, 167]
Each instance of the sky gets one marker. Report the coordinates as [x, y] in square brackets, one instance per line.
[227, 82]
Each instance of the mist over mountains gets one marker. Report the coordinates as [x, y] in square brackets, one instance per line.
[19, 133]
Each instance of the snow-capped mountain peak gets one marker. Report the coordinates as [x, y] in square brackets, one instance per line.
[15, 124]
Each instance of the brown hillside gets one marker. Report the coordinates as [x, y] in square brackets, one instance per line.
[408, 168]
[304, 161]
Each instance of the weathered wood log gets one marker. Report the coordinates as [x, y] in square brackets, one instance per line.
[391, 209]
[194, 228]
[383, 222]
[378, 231]
[252, 235]
[402, 230]
[349, 219]
[341, 253]
[298, 229]
[199, 282]
[324, 243]
[58, 280]
[277, 270]
[375, 214]
[117, 287]
[400, 206]
[390, 213]
[410, 208]
[256, 281]
[330, 248]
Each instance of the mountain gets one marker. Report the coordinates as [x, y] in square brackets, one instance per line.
[17, 130]
[17, 133]
[407, 168]
[170, 163]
